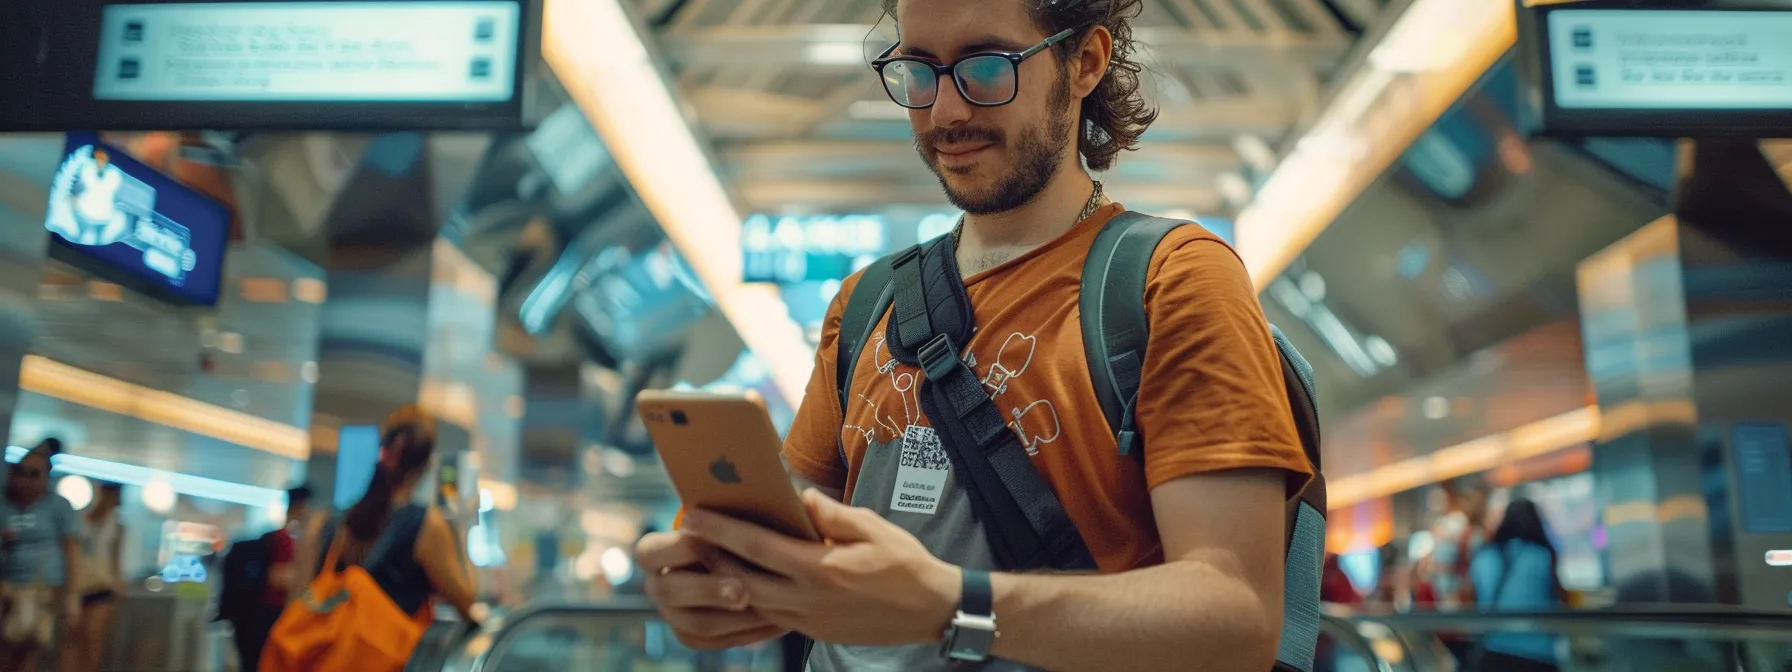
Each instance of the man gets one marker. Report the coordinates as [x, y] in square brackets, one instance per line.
[269, 577]
[1190, 547]
[1458, 534]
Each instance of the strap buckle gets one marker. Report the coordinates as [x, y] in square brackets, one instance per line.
[938, 357]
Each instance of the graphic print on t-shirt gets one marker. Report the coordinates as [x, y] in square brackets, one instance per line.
[924, 464]
[1035, 422]
[1011, 361]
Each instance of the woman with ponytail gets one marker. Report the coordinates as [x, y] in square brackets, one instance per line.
[408, 550]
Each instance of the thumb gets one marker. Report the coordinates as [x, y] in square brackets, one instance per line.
[836, 521]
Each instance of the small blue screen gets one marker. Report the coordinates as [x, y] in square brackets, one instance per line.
[112, 209]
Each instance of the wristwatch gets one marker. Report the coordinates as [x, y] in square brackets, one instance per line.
[973, 631]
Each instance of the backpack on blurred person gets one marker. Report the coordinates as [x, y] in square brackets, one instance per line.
[1029, 524]
[245, 579]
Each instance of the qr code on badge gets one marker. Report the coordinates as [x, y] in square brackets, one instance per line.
[921, 449]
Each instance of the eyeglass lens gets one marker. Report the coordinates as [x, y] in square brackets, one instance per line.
[982, 80]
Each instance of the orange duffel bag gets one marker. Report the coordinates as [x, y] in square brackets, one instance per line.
[344, 623]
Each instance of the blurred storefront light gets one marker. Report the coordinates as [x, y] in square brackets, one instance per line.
[159, 496]
[76, 489]
[78, 386]
[185, 484]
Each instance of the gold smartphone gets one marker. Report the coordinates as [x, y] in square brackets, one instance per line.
[723, 455]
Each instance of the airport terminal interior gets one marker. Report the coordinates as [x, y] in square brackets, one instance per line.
[1537, 253]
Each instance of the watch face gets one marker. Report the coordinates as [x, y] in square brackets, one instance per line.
[970, 637]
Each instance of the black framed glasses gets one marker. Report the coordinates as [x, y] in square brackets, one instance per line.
[985, 79]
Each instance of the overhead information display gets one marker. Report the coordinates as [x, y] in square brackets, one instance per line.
[1661, 69]
[310, 51]
[1671, 59]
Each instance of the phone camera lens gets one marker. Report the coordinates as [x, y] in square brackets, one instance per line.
[678, 418]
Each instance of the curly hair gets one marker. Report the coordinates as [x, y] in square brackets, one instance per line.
[1115, 114]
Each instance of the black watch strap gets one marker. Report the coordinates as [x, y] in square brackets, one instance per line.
[979, 597]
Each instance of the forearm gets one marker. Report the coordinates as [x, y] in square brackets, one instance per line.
[1159, 618]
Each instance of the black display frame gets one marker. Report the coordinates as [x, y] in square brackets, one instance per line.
[56, 94]
[1538, 81]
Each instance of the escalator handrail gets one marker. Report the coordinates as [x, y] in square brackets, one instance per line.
[500, 633]
[1655, 622]
[1347, 635]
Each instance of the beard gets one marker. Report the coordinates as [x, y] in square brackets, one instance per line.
[1037, 155]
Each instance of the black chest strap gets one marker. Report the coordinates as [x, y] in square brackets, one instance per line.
[931, 319]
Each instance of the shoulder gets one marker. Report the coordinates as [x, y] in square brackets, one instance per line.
[431, 520]
[1196, 276]
[1192, 251]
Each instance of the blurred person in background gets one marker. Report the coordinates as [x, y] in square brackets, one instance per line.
[284, 581]
[411, 551]
[102, 584]
[259, 579]
[1458, 533]
[40, 549]
[1516, 571]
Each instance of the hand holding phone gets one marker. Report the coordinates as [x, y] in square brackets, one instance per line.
[705, 610]
[722, 454]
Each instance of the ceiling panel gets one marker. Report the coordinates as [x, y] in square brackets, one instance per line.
[789, 79]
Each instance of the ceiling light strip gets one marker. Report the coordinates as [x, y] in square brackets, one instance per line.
[597, 53]
[78, 386]
[131, 474]
[1574, 428]
[1435, 51]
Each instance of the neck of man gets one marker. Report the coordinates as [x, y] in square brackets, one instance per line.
[992, 239]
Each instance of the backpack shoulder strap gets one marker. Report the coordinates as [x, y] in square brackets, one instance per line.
[869, 300]
[1113, 315]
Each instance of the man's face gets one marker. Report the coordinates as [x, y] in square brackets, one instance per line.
[988, 159]
[100, 159]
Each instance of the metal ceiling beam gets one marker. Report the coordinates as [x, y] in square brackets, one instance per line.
[773, 195]
[852, 45]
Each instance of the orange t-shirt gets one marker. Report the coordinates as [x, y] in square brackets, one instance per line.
[1212, 396]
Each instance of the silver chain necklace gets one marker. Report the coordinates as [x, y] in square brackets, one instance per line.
[1089, 208]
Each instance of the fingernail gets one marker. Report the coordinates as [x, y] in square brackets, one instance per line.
[731, 591]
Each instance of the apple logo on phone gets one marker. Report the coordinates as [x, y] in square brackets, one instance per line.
[724, 471]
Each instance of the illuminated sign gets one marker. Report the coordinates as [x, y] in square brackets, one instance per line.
[1763, 477]
[184, 548]
[1671, 60]
[799, 249]
[460, 52]
[127, 222]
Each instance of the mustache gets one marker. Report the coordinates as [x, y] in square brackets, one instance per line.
[957, 135]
